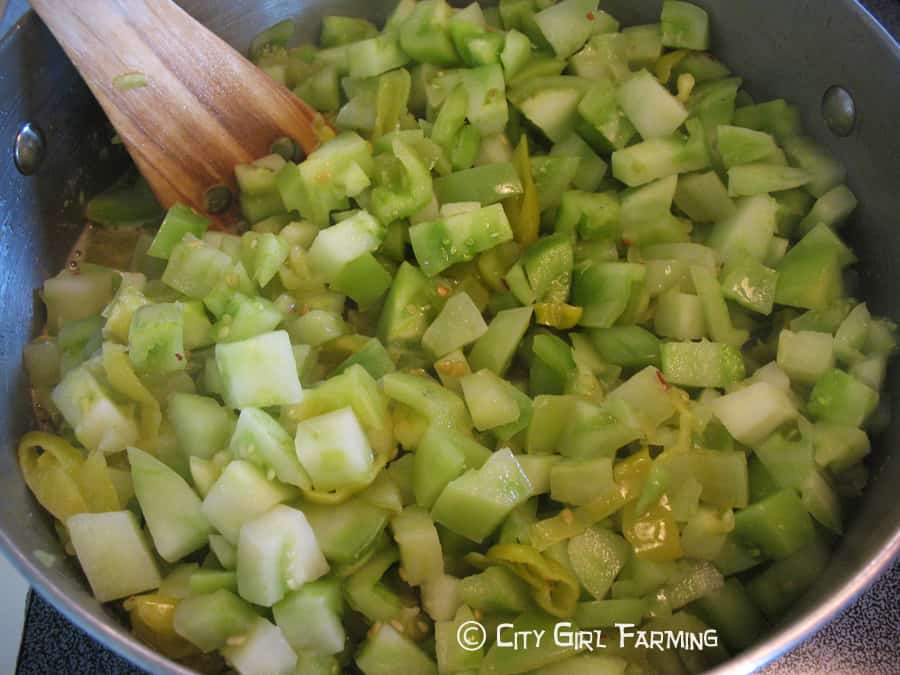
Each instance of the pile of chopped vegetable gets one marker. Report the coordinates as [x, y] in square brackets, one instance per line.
[552, 327]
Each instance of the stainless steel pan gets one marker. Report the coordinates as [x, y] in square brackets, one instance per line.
[796, 49]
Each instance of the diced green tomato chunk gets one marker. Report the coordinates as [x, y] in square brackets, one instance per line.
[171, 508]
[334, 450]
[277, 552]
[259, 372]
[476, 503]
[113, 553]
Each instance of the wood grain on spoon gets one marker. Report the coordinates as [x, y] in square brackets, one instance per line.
[204, 108]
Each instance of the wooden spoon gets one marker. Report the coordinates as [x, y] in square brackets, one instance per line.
[204, 107]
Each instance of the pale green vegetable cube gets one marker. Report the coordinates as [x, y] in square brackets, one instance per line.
[259, 439]
[259, 372]
[340, 244]
[240, 494]
[263, 651]
[99, 421]
[277, 552]
[420, 548]
[805, 355]
[459, 323]
[114, 554]
[652, 110]
[489, 401]
[334, 450]
[171, 508]
[751, 414]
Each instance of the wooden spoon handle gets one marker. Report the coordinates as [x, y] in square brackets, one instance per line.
[204, 107]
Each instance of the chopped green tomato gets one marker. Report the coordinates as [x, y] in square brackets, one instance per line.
[98, 420]
[567, 25]
[264, 649]
[679, 316]
[489, 401]
[77, 294]
[259, 372]
[486, 184]
[715, 311]
[747, 232]
[758, 178]
[701, 364]
[333, 450]
[259, 439]
[78, 340]
[495, 349]
[662, 156]
[581, 481]
[114, 554]
[684, 25]
[779, 524]
[441, 457]
[849, 338]
[475, 504]
[336, 246]
[591, 167]
[386, 651]
[201, 425]
[831, 209]
[752, 413]
[809, 275]
[408, 195]
[342, 30]
[805, 355]
[375, 56]
[277, 552]
[241, 493]
[195, 268]
[601, 122]
[336, 170]
[171, 508]
[424, 35]
[842, 399]
[552, 177]
[738, 145]
[126, 204]
[310, 617]
[420, 548]
[629, 346]
[750, 284]
[604, 290]
[440, 406]
[825, 171]
[179, 220]
[551, 103]
[703, 197]
[597, 556]
[652, 110]
[439, 244]
[156, 339]
[345, 531]
[458, 324]
[592, 216]
[783, 582]
[208, 620]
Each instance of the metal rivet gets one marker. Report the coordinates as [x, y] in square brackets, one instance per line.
[29, 148]
[839, 110]
[285, 147]
[217, 199]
